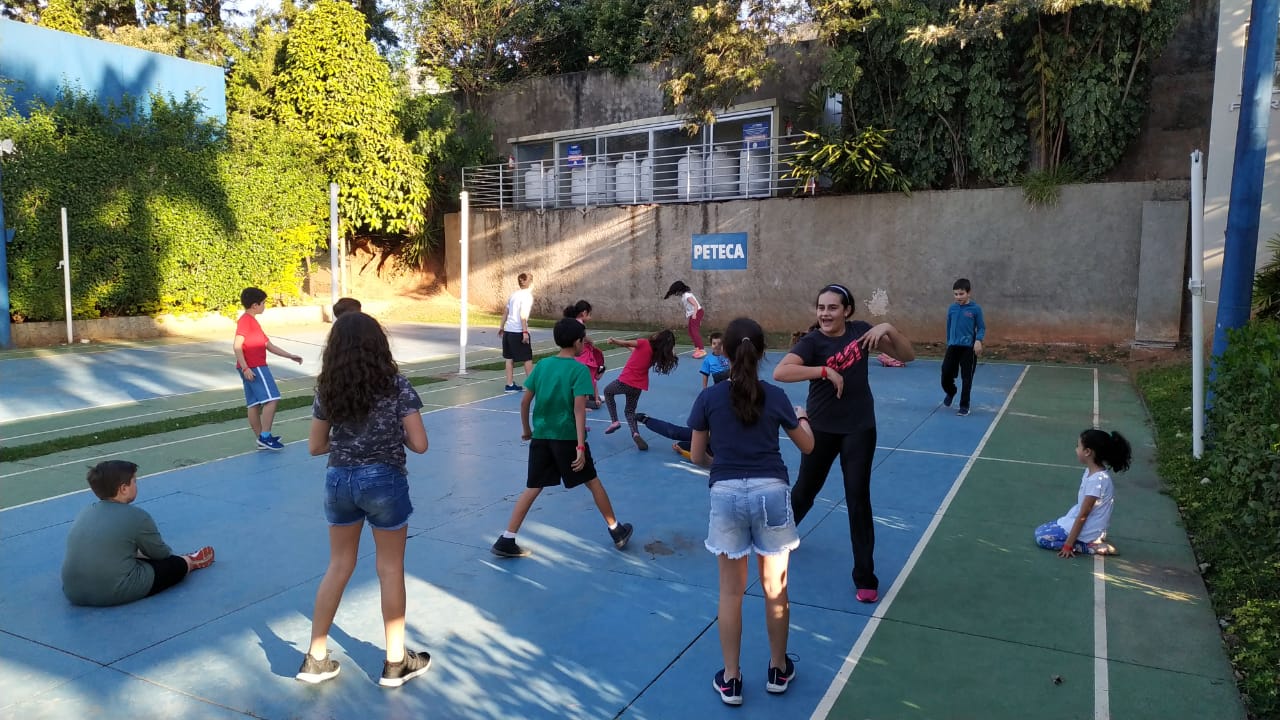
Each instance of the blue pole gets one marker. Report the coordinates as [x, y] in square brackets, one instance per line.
[1241, 251]
[6, 236]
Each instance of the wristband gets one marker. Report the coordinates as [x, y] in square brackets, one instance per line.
[824, 372]
[804, 419]
[582, 447]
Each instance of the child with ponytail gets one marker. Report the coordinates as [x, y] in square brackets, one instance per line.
[1084, 528]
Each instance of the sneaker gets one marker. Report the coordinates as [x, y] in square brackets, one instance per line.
[780, 678]
[699, 354]
[962, 411]
[507, 547]
[512, 388]
[868, 595]
[682, 452]
[730, 690]
[270, 442]
[621, 535]
[946, 401]
[640, 443]
[201, 558]
[397, 674]
[642, 418]
[317, 671]
[1101, 548]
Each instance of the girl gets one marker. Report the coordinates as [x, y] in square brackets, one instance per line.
[364, 415]
[750, 501]
[1084, 528]
[590, 355]
[657, 352]
[692, 312]
[833, 358]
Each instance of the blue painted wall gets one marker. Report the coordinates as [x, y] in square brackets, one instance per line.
[39, 61]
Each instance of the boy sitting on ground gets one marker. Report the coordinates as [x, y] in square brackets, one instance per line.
[115, 554]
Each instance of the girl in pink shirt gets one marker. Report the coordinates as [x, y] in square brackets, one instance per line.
[656, 352]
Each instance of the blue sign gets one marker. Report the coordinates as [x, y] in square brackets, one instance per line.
[575, 158]
[720, 251]
[756, 135]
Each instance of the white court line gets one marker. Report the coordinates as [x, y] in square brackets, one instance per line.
[1101, 680]
[873, 623]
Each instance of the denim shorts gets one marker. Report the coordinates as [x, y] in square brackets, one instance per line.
[261, 389]
[379, 493]
[751, 515]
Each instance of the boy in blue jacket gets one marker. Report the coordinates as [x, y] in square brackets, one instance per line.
[965, 330]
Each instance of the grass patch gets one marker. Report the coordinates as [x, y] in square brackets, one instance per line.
[502, 364]
[156, 427]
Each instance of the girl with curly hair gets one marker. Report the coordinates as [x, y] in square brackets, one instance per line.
[365, 414]
[656, 352]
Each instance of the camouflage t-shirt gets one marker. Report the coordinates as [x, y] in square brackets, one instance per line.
[379, 439]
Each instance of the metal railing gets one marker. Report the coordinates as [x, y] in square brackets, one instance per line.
[694, 173]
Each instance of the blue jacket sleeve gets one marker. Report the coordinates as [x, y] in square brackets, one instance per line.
[979, 325]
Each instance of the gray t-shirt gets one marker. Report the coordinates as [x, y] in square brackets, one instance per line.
[102, 565]
[379, 439]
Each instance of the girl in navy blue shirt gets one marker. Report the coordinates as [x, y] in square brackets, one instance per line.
[750, 499]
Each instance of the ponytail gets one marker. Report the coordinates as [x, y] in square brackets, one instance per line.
[744, 344]
[1111, 450]
[576, 309]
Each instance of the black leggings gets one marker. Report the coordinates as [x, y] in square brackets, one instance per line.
[857, 451]
[617, 387]
[169, 572]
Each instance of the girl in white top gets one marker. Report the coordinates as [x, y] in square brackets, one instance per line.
[1084, 528]
[692, 312]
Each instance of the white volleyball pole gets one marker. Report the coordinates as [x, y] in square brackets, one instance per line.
[66, 274]
[464, 230]
[1196, 286]
[334, 262]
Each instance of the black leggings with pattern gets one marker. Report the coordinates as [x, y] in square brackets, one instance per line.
[617, 387]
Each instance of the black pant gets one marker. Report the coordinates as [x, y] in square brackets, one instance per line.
[960, 358]
[857, 451]
[169, 572]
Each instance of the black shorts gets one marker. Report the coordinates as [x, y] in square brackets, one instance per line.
[552, 460]
[514, 347]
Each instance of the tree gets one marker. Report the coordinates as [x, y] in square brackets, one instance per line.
[334, 85]
[62, 15]
[473, 45]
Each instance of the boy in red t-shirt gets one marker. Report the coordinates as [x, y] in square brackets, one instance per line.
[251, 346]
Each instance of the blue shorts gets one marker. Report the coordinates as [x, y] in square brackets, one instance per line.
[751, 515]
[378, 493]
[261, 389]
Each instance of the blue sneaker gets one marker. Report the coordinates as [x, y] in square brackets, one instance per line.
[513, 388]
[730, 690]
[780, 678]
[270, 442]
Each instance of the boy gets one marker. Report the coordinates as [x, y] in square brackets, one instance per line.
[251, 346]
[965, 330]
[515, 331]
[115, 554]
[715, 366]
[558, 390]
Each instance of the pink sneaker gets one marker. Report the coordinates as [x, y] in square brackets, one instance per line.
[201, 558]
[889, 361]
[699, 354]
[867, 595]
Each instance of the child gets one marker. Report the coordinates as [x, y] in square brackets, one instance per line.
[515, 331]
[1084, 528]
[657, 352]
[251, 346]
[558, 450]
[692, 312]
[680, 433]
[115, 554]
[750, 500]
[965, 330]
[364, 415]
[715, 366]
[591, 356]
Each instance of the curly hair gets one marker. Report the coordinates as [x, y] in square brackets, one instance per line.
[663, 345]
[358, 368]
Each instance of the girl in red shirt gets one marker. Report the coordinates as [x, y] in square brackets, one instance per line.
[656, 352]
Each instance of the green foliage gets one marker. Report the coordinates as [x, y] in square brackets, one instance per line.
[1266, 284]
[1221, 514]
[1043, 188]
[62, 15]
[334, 86]
[851, 163]
[477, 44]
[165, 213]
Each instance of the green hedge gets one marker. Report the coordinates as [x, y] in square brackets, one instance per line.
[166, 211]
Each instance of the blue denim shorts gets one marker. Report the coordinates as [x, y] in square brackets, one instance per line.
[751, 515]
[261, 389]
[378, 493]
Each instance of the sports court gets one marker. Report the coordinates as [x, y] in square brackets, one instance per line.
[974, 621]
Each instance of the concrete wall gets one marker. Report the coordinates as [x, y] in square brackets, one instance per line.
[41, 61]
[1068, 273]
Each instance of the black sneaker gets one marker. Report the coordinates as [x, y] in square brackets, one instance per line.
[507, 547]
[946, 401]
[962, 411]
[730, 690]
[641, 418]
[780, 679]
[317, 671]
[621, 535]
[397, 674]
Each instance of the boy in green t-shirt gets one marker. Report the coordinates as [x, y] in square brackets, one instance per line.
[557, 390]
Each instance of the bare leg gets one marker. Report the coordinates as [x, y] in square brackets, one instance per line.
[344, 545]
[602, 500]
[511, 372]
[528, 368]
[733, 583]
[255, 419]
[523, 503]
[777, 607]
[268, 416]
[390, 563]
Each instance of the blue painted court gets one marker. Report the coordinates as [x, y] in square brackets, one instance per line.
[578, 630]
